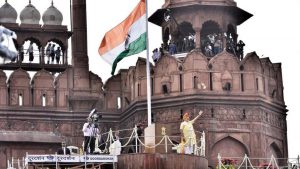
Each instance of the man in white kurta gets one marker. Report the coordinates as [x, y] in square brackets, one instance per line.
[188, 133]
[90, 131]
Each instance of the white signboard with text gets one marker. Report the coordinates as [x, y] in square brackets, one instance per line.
[52, 158]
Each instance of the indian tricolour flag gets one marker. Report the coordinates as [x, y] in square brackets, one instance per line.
[127, 38]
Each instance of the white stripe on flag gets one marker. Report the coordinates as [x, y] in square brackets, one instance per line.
[135, 31]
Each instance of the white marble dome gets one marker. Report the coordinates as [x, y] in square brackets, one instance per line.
[8, 14]
[30, 15]
[52, 16]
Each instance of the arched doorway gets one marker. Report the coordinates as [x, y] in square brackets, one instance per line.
[183, 38]
[54, 52]
[274, 150]
[227, 147]
[211, 38]
[166, 37]
[30, 51]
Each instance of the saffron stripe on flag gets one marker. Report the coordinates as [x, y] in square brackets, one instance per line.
[137, 29]
[118, 34]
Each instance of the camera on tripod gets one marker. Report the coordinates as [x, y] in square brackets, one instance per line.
[95, 117]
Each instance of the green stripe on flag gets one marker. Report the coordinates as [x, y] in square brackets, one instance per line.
[134, 47]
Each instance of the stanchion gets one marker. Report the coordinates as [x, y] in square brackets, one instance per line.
[56, 164]
[85, 160]
[135, 130]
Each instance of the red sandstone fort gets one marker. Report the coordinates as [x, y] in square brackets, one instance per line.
[241, 94]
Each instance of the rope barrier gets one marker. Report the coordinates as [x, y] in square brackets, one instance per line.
[247, 160]
[134, 135]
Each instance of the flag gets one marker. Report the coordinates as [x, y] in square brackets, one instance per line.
[127, 38]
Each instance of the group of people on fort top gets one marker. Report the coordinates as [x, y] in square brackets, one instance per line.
[211, 45]
[52, 52]
[8, 49]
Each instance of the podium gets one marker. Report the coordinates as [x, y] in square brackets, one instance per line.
[154, 135]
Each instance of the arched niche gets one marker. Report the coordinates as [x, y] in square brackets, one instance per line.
[166, 65]
[195, 61]
[43, 89]
[3, 88]
[252, 63]
[140, 68]
[196, 75]
[273, 149]
[225, 61]
[19, 88]
[227, 147]
[62, 93]
[96, 83]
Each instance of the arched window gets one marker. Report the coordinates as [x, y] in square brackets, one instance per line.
[44, 100]
[185, 39]
[20, 99]
[54, 53]
[152, 86]
[139, 90]
[166, 37]
[211, 38]
[242, 82]
[195, 82]
[119, 102]
[180, 83]
[30, 51]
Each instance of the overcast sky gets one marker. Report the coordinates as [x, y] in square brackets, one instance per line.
[272, 32]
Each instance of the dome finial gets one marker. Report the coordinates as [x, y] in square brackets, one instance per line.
[5, 1]
[29, 1]
[52, 3]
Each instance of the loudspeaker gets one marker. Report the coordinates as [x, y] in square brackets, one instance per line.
[165, 88]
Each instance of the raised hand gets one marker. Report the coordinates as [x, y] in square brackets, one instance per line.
[200, 112]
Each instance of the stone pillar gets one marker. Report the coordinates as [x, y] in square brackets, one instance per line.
[42, 55]
[79, 45]
[81, 98]
[64, 57]
[198, 35]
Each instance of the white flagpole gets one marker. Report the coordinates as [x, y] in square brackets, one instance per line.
[148, 70]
